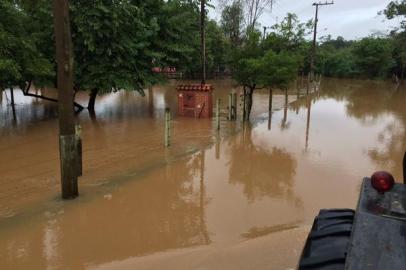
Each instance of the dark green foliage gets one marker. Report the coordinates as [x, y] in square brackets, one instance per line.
[338, 63]
[279, 69]
[369, 57]
[397, 9]
[111, 45]
[290, 35]
[20, 56]
[232, 22]
[217, 48]
[177, 39]
[256, 66]
[246, 62]
[373, 57]
[117, 43]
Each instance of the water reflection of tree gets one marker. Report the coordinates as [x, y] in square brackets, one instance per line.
[370, 100]
[160, 211]
[261, 172]
[393, 136]
[18, 118]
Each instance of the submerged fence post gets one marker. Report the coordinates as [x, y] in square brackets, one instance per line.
[308, 84]
[167, 126]
[78, 146]
[234, 106]
[218, 114]
[230, 106]
[244, 112]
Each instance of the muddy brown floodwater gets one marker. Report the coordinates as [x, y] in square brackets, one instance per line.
[241, 199]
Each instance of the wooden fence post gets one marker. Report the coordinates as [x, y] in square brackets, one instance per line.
[68, 157]
[167, 127]
[308, 84]
[234, 100]
[230, 106]
[218, 114]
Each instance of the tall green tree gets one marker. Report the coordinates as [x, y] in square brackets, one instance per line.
[279, 69]
[256, 68]
[397, 9]
[21, 59]
[232, 22]
[111, 46]
[290, 35]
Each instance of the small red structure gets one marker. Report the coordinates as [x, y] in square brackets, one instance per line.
[195, 100]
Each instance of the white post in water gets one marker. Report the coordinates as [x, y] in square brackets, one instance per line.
[234, 106]
[78, 145]
[167, 126]
[218, 114]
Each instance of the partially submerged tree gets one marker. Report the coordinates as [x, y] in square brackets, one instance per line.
[246, 69]
[290, 35]
[112, 47]
[256, 68]
[279, 70]
[116, 43]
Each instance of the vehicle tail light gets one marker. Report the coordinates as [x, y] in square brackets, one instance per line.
[382, 181]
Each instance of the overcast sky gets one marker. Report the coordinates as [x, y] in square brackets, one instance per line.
[351, 19]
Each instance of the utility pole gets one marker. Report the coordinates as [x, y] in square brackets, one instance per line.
[203, 38]
[67, 138]
[313, 52]
[265, 27]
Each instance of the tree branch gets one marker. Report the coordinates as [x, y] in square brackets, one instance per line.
[28, 94]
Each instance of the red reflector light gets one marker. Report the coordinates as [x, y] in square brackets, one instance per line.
[382, 181]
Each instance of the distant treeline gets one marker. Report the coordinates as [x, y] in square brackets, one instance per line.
[118, 43]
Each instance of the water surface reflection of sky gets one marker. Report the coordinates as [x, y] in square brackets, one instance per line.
[244, 197]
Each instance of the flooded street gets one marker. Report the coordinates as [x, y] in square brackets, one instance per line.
[241, 199]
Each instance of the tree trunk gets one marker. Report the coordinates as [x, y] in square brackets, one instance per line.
[92, 100]
[249, 102]
[12, 96]
[13, 108]
[285, 109]
[402, 74]
[28, 94]
[309, 107]
[244, 111]
[64, 59]
[270, 103]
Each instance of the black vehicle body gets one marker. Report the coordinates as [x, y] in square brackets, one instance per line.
[373, 237]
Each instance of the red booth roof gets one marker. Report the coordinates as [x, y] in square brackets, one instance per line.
[195, 87]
